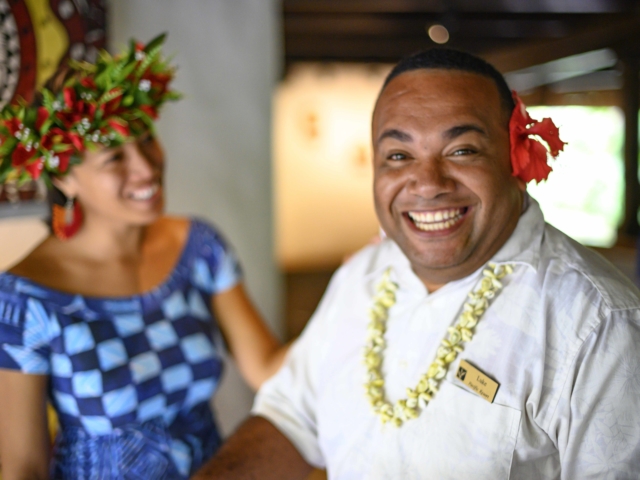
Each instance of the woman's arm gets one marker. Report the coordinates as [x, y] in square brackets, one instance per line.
[256, 350]
[24, 437]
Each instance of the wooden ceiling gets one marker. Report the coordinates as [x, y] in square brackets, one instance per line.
[500, 30]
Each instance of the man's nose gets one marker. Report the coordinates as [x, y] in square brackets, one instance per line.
[429, 177]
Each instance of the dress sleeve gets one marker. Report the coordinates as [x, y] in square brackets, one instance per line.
[215, 267]
[597, 419]
[25, 332]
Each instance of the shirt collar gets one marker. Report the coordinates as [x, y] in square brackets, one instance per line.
[522, 247]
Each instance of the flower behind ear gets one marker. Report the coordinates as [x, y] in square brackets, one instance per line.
[528, 155]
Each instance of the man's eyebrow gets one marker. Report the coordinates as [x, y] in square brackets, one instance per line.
[458, 130]
[395, 134]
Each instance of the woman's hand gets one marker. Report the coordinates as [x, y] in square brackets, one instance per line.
[24, 436]
[256, 350]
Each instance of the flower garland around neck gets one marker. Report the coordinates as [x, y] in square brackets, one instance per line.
[458, 334]
[528, 155]
[101, 105]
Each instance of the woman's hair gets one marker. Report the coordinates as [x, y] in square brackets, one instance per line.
[450, 59]
[55, 84]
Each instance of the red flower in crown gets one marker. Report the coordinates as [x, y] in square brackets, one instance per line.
[528, 155]
[35, 168]
[21, 154]
[75, 109]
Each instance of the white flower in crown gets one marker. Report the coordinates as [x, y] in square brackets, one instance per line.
[144, 85]
[53, 162]
[139, 55]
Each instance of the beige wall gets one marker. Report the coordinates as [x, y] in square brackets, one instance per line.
[17, 237]
[217, 139]
[322, 163]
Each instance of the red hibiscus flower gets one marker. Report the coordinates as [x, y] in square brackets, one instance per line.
[528, 155]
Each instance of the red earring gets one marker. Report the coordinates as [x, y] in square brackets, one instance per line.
[67, 220]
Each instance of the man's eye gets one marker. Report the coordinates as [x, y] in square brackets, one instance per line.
[397, 156]
[463, 151]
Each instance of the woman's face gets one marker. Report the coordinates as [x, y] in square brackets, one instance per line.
[121, 184]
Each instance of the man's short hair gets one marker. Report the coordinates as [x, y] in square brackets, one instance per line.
[449, 59]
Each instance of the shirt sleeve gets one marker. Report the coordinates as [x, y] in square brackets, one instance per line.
[597, 419]
[289, 399]
[24, 335]
[216, 267]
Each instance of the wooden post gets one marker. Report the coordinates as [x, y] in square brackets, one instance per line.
[631, 94]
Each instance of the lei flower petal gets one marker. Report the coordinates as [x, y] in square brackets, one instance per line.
[528, 155]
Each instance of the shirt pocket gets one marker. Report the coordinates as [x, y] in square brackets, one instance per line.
[468, 436]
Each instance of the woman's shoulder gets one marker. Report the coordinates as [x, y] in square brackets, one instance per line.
[38, 265]
[201, 231]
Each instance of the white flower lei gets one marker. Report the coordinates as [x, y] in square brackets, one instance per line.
[418, 397]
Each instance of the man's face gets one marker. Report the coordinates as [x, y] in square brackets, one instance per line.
[443, 187]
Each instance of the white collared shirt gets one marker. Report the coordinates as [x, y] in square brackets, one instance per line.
[562, 339]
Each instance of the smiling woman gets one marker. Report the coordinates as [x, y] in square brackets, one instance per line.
[119, 317]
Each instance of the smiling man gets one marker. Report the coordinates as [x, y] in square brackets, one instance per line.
[476, 341]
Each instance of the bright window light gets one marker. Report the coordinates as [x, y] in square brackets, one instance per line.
[584, 195]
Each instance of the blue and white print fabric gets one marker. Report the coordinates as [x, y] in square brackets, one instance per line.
[128, 374]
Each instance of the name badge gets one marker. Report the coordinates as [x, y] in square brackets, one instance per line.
[477, 381]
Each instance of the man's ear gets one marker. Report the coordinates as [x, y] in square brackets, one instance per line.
[66, 185]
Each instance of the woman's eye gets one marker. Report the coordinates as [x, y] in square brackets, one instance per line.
[115, 157]
[145, 138]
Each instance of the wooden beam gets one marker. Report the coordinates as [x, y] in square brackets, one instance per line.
[535, 53]
[477, 6]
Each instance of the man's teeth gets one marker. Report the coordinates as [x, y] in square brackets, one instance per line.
[437, 220]
[144, 193]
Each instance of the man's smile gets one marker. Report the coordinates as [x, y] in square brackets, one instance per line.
[437, 220]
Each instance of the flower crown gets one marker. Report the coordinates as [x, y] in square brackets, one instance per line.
[102, 105]
[528, 155]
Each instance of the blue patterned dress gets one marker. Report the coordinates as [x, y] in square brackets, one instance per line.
[131, 378]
